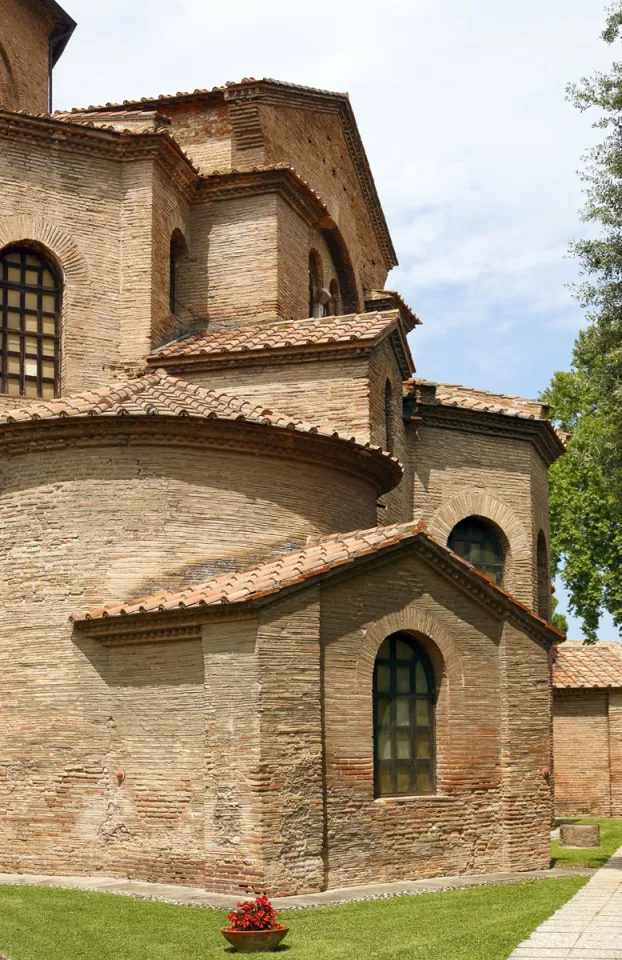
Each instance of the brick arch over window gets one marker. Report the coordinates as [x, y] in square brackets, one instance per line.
[477, 503]
[51, 240]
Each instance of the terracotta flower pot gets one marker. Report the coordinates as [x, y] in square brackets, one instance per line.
[254, 941]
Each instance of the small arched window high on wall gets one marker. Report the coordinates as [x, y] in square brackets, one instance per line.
[316, 281]
[30, 292]
[333, 303]
[477, 541]
[544, 578]
[388, 415]
[404, 694]
[177, 250]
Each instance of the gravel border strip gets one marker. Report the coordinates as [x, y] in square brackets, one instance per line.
[515, 881]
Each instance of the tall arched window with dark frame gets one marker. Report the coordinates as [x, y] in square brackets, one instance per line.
[404, 697]
[30, 305]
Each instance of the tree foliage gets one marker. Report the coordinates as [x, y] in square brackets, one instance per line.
[586, 484]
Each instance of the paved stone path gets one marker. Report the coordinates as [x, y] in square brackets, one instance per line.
[588, 927]
[197, 897]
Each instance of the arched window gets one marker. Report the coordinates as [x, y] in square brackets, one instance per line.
[544, 578]
[316, 280]
[333, 303]
[177, 250]
[477, 541]
[404, 693]
[30, 291]
[388, 415]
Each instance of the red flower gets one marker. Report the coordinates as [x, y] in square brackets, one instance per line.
[257, 914]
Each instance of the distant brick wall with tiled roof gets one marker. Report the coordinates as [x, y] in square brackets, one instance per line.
[468, 398]
[587, 666]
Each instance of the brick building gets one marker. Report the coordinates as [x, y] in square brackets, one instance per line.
[275, 609]
[587, 729]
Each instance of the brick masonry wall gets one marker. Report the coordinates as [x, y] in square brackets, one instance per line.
[312, 141]
[475, 823]
[24, 62]
[204, 132]
[587, 731]
[296, 239]
[457, 474]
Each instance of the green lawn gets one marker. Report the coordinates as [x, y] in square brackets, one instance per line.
[479, 924]
[610, 841]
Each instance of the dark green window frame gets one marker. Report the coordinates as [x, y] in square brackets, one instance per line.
[476, 541]
[404, 694]
[30, 305]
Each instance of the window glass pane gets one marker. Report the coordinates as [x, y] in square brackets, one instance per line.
[403, 778]
[384, 780]
[404, 651]
[424, 746]
[30, 388]
[48, 279]
[13, 257]
[383, 678]
[30, 345]
[383, 713]
[13, 342]
[49, 326]
[12, 388]
[48, 369]
[404, 749]
[402, 711]
[31, 367]
[423, 713]
[32, 324]
[13, 365]
[31, 300]
[32, 261]
[13, 298]
[385, 745]
[385, 650]
[423, 779]
[421, 681]
[47, 390]
[402, 679]
[14, 275]
[13, 321]
[48, 303]
[48, 348]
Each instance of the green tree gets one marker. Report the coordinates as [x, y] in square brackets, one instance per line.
[586, 484]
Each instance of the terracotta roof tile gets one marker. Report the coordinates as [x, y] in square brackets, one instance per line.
[269, 578]
[592, 666]
[156, 394]
[283, 335]
[468, 398]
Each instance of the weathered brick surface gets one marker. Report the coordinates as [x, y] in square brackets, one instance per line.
[463, 473]
[234, 746]
[24, 59]
[587, 733]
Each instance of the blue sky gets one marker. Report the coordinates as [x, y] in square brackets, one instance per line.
[461, 107]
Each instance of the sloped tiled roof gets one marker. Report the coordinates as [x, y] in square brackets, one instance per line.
[377, 298]
[587, 666]
[468, 398]
[286, 336]
[155, 394]
[318, 558]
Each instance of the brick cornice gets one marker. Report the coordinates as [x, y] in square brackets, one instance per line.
[159, 147]
[538, 432]
[236, 436]
[277, 179]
